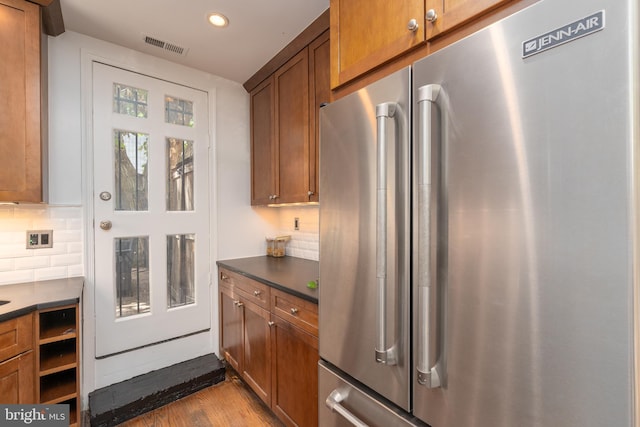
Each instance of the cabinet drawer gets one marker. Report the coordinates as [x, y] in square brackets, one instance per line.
[251, 290]
[303, 314]
[16, 336]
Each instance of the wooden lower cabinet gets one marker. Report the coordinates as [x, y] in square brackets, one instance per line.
[40, 354]
[257, 351]
[246, 340]
[17, 383]
[270, 338]
[231, 329]
[17, 379]
[295, 375]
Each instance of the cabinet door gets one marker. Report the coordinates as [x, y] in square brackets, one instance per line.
[451, 13]
[319, 93]
[17, 380]
[367, 33]
[295, 375]
[292, 129]
[16, 336]
[257, 350]
[263, 153]
[231, 329]
[20, 127]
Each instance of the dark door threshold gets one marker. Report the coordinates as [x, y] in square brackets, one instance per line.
[119, 402]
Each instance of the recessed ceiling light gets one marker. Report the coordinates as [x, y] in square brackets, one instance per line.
[218, 20]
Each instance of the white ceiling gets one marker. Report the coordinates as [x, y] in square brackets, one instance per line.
[257, 30]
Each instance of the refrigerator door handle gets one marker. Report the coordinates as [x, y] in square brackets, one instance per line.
[333, 403]
[429, 372]
[384, 355]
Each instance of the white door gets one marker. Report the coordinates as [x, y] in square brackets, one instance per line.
[151, 210]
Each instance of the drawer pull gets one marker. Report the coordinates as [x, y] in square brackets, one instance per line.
[257, 293]
[294, 311]
[238, 304]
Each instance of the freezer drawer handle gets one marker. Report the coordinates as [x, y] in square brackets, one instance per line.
[429, 374]
[384, 355]
[333, 403]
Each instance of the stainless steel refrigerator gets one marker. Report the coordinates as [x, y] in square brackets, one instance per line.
[479, 230]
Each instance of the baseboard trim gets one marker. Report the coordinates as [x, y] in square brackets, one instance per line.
[122, 401]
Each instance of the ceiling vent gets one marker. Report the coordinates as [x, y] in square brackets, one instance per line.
[171, 47]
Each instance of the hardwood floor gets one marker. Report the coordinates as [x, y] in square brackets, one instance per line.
[228, 404]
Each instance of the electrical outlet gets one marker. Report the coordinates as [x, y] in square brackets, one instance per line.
[38, 239]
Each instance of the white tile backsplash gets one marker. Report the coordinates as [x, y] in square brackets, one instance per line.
[31, 263]
[16, 276]
[305, 242]
[64, 259]
[6, 265]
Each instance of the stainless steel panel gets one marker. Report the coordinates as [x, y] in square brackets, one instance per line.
[535, 270]
[358, 406]
[348, 273]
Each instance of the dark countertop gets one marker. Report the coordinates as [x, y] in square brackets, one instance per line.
[288, 274]
[27, 297]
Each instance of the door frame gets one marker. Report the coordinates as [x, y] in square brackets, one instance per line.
[99, 373]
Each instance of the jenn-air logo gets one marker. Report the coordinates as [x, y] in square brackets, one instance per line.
[580, 28]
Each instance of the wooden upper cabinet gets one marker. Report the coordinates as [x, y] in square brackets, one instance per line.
[449, 14]
[319, 93]
[20, 109]
[292, 129]
[286, 95]
[263, 150]
[367, 33]
[280, 149]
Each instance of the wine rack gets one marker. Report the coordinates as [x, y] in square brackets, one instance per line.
[57, 357]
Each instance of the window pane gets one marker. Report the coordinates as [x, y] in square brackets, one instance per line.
[180, 175]
[131, 176]
[129, 100]
[132, 276]
[180, 269]
[178, 111]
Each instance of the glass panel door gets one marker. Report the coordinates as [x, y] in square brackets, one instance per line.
[151, 210]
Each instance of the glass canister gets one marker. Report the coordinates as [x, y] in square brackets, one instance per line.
[280, 244]
[271, 243]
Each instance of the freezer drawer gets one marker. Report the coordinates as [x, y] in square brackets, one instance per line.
[352, 405]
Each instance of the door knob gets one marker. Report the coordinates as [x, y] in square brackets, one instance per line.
[105, 225]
